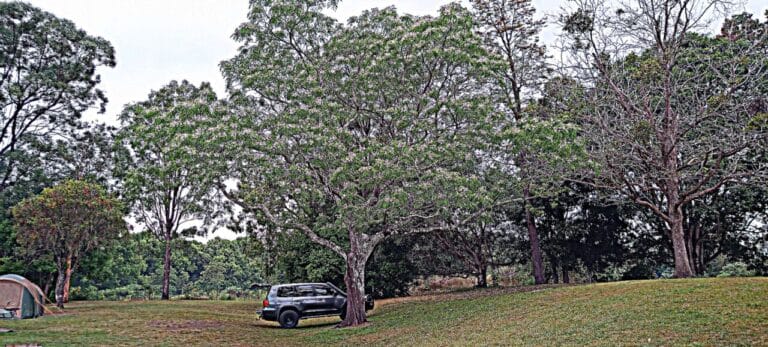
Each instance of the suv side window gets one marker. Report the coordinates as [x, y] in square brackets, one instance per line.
[287, 292]
[323, 291]
[305, 291]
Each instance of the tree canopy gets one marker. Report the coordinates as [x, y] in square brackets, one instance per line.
[66, 222]
[48, 79]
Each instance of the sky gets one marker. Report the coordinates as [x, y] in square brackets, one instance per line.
[157, 41]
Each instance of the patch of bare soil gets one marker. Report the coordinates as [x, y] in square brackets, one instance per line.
[468, 294]
[185, 325]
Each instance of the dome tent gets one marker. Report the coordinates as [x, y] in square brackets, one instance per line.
[21, 297]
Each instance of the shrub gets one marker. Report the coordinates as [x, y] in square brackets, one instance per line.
[736, 269]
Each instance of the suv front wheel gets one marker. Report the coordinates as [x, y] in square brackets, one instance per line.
[289, 319]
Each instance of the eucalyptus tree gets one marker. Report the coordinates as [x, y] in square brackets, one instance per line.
[353, 133]
[677, 115]
[47, 79]
[159, 167]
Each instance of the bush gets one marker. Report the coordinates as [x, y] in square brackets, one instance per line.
[737, 269]
[85, 292]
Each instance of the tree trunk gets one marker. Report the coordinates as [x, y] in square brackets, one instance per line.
[482, 278]
[67, 279]
[682, 265]
[167, 269]
[354, 279]
[533, 235]
[566, 275]
[695, 244]
[702, 265]
[494, 274]
[48, 281]
[672, 183]
[60, 287]
[555, 278]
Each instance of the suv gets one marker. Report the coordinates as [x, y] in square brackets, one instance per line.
[287, 303]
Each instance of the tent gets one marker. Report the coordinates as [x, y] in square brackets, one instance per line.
[21, 297]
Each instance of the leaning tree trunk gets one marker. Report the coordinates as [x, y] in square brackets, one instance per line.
[167, 268]
[60, 280]
[354, 279]
[533, 235]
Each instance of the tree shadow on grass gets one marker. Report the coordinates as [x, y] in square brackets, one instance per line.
[303, 324]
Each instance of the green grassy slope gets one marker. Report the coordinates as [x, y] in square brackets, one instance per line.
[664, 312]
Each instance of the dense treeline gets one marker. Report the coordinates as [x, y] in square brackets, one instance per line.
[378, 153]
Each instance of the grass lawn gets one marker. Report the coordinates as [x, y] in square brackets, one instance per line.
[732, 311]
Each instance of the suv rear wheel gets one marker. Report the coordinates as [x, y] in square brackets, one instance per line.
[289, 319]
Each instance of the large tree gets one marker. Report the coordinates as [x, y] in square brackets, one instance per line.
[677, 116]
[66, 222]
[351, 134]
[47, 79]
[159, 166]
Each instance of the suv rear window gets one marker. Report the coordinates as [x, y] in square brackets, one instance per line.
[323, 290]
[288, 291]
[305, 291]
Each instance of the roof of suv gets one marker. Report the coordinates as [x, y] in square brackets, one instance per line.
[298, 284]
[276, 286]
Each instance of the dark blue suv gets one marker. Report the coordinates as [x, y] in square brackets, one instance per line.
[287, 303]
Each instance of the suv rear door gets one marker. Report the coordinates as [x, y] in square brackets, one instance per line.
[328, 298]
[312, 305]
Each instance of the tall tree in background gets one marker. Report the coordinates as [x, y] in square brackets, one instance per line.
[533, 142]
[67, 221]
[353, 134]
[677, 116]
[47, 79]
[159, 166]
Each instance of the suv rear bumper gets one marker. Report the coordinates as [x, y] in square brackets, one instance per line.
[268, 313]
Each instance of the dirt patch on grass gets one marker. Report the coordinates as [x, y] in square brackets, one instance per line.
[185, 325]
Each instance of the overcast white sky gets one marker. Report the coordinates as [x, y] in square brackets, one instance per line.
[157, 41]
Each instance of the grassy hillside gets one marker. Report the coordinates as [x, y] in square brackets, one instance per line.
[662, 312]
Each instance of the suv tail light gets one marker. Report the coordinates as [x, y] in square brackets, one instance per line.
[265, 303]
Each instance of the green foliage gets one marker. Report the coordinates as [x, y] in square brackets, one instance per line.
[298, 259]
[133, 268]
[391, 271]
[157, 163]
[736, 269]
[160, 171]
[49, 78]
[67, 220]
